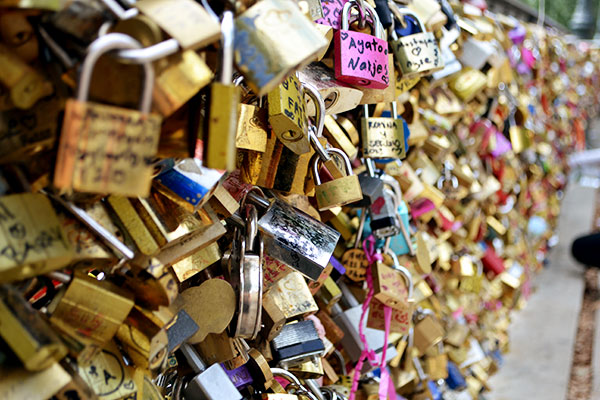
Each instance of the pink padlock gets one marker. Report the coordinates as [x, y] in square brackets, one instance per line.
[361, 59]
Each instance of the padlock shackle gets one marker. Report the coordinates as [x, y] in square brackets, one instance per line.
[313, 93]
[404, 271]
[227, 35]
[119, 11]
[316, 158]
[151, 53]
[401, 12]
[104, 44]
[346, 16]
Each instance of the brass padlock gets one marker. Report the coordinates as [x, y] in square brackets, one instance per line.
[287, 116]
[185, 20]
[91, 311]
[428, 331]
[92, 157]
[32, 244]
[28, 335]
[225, 98]
[383, 137]
[338, 192]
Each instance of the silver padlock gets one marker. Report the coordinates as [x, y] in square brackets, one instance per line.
[246, 277]
[210, 383]
[295, 238]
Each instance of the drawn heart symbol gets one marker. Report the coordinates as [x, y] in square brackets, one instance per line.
[344, 35]
[416, 51]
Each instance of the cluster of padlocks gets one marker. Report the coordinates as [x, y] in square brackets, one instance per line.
[275, 199]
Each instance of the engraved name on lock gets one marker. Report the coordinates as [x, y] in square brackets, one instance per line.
[361, 59]
[383, 138]
[416, 54]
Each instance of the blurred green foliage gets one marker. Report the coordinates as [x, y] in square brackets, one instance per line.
[559, 10]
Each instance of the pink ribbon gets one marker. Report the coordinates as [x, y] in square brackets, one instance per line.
[385, 384]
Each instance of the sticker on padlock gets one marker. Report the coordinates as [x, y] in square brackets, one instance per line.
[361, 59]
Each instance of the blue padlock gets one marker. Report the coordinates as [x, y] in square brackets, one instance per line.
[455, 380]
[188, 180]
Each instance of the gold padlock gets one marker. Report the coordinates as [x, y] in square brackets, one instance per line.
[91, 311]
[337, 192]
[287, 115]
[220, 150]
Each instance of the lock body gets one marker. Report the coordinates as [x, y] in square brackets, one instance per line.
[361, 59]
[297, 239]
[383, 138]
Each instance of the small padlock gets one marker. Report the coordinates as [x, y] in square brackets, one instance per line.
[225, 98]
[338, 192]
[361, 59]
[210, 382]
[428, 331]
[383, 137]
[392, 285]
[417, 54]
[107, 149]
[287, 116]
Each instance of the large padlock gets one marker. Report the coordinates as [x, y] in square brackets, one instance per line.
[337, 192]
[417, 54]
[272, 38]
[361, 59]
[107, 149]
[295, 238]
[383, 137]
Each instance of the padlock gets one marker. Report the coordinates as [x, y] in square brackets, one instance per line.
[291, 296]
[269, 46]
[34, 342]
[287, 116]
[296, 343]
[107, 373]
[25, 84]
[361, 59]
[210, 382]
[91, 311]
[392, 285]
[31, 244]
[384, 218]
[338, 192]
[181, 19]
[437, 365]
[246, 274]
[90, 158]
[178, 77]
[225, 97]
[428, 331]
[417, 54]
[338, 96]
[383, 138]
[295, 238]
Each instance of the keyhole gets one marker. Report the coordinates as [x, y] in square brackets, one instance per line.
[330, 100]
